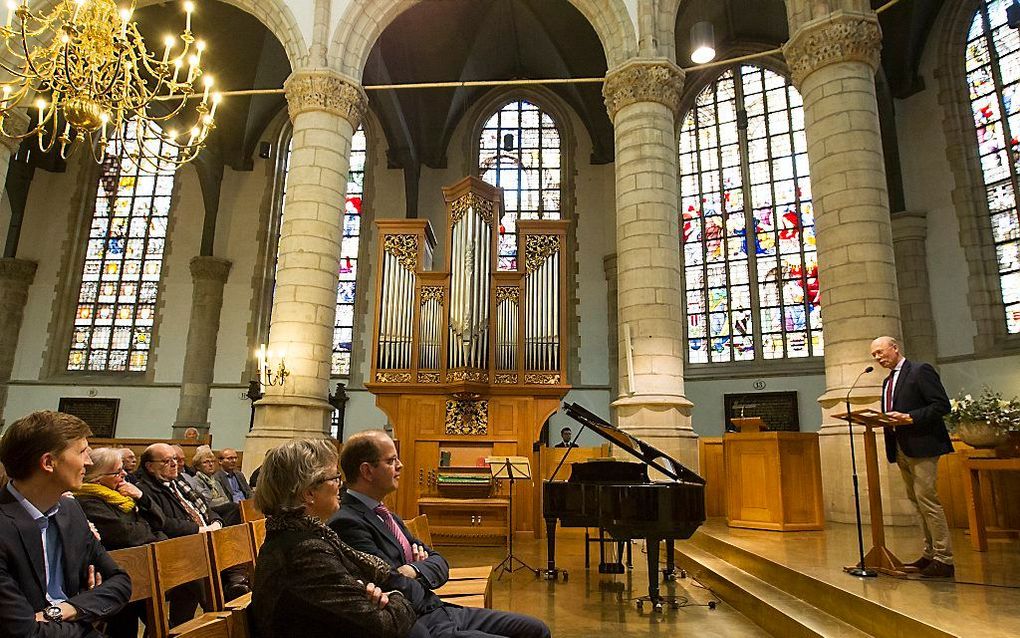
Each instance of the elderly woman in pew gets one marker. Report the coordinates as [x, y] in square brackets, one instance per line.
[123, 517]
[308, 582]
[211, 489]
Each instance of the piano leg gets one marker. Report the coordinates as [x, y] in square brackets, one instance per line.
[653, 572]
[550, 533]
[668, 573]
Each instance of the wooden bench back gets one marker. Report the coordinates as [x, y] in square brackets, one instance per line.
[249, 511]
[419, 528]
[178, 561]
[140, 565]
[229, 547]
[258, 534]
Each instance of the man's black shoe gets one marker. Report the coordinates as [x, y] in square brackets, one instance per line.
[916, 566]
[938, 569]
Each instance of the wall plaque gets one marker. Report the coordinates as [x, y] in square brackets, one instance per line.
[100, 414]
[777, 409]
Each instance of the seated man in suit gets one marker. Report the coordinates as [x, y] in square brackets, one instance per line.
[55, 577]
[565, 435]
[371, 469]
[231, 478]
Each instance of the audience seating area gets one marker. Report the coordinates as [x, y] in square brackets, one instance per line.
[158, 567]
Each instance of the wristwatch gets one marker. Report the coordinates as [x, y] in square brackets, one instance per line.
[53, 614]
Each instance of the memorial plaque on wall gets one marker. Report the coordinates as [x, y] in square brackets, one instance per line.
[100, 414]
[777, 409]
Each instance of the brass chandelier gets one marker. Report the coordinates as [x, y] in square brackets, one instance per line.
[86, 76]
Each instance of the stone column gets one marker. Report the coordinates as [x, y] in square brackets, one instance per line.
[208, 274]
[833, 58]
[642, 97]
[910, 230]
[325, 109]
[16, 276]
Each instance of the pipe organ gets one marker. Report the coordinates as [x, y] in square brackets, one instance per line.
[468, 360]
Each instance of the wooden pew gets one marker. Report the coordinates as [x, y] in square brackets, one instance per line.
[467, 586]
[179, 561]
[140, 565]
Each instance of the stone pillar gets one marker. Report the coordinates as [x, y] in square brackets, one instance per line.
[16, 276]
[326, 110]
[642, 97]
[910, 229]
[833, 58]
[208, 274]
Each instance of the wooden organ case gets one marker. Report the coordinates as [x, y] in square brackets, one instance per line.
[468, 361]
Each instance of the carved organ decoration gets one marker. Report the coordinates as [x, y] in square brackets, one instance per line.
[470, 324]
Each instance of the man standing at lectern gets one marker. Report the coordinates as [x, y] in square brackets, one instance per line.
[913, 392]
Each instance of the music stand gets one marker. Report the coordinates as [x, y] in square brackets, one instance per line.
[512, 469]
[879, 558]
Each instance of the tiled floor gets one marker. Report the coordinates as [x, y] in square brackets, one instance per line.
[590, 605]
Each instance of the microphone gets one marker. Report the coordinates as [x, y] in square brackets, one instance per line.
[854, 385]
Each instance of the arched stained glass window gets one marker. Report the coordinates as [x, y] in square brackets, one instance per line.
[116, 307]
[519, 151]
[343, 327]
[743, 165]
[993, 75]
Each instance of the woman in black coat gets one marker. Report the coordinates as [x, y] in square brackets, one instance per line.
[308, 582]
[123, 516]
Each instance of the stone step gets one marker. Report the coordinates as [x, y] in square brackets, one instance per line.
[851, 609]
[771, 608]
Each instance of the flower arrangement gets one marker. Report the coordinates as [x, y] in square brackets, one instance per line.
[1000, 414]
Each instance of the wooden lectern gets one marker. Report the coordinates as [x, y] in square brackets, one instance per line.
[879, 557]
[747, 425]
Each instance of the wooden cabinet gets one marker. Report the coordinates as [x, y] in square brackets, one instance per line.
[474, 521]
[773, 481]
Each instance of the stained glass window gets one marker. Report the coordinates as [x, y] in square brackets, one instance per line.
[743, 165]
[116, 307]
[993, 70]
[343, 327]
[519, 151]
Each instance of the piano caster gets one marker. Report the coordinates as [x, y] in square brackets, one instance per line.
[711, 604]
[553, 574]
[660, 603]
[683, 573]
[669, 574]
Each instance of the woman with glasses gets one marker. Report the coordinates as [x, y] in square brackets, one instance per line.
[308, 582]
[123, 515]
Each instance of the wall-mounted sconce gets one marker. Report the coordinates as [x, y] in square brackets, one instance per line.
[272, 367]
[702, 42]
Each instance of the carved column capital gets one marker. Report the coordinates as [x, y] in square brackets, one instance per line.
[657, 80]
[325, 90]
[838, 37]
[15, 122]
[210, 268]
[19, 270]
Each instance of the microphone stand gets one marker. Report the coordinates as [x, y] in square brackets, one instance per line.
[860, 571]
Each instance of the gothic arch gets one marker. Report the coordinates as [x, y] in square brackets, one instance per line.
[364, 20]
[984, 295]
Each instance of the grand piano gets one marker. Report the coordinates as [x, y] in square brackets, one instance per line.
[619, 497]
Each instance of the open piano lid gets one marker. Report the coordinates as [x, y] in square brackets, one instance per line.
[650, 455]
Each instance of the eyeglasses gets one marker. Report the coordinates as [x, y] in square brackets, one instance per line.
[164, 461]
[117, 473]
[334, 479]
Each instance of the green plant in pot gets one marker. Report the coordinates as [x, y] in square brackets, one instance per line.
[984, 422]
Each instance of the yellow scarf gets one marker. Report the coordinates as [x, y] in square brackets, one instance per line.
[126, 504]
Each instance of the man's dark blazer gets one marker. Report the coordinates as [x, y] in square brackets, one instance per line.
[22, 578]
[242, 482]
[176, 521]
[920, 394]
[361, 528]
